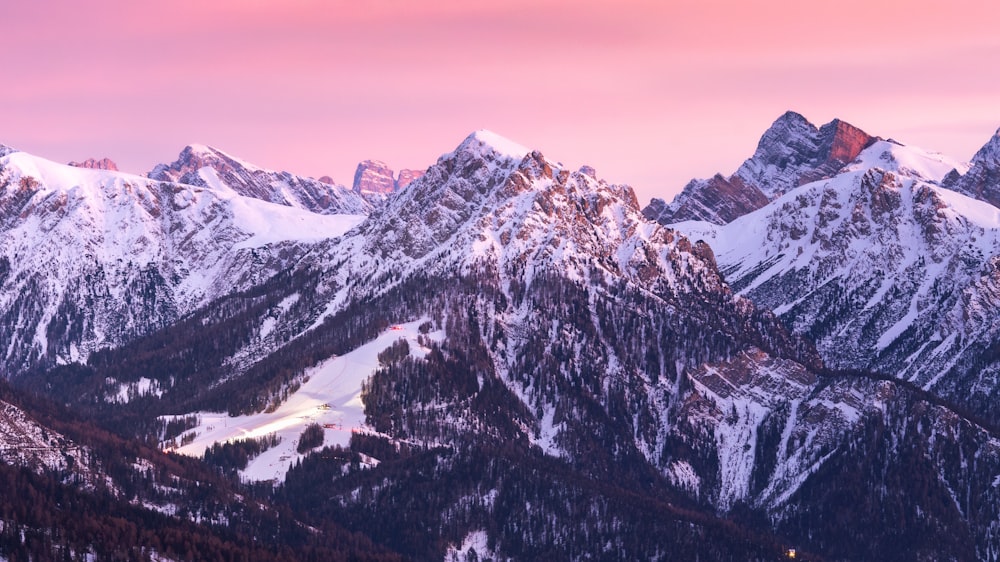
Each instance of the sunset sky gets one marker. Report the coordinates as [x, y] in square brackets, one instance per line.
[651, 93]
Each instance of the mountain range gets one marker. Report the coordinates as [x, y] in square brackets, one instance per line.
[510, 359]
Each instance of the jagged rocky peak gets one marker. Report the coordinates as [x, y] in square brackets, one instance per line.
[432, 209]
[208, 167]
[792, 152]
[485, 142]
[327, 180]
[982, 180]
[792, 141]
[193, 158]
[485, 190]
[95, 164]
[791, 137]
[375, 176]
[989, 154]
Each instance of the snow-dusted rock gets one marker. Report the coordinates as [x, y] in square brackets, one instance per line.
[94, 258]
[208, 167]
[791, 152]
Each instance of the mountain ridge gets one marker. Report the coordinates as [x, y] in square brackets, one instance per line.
[507, 332]
[208, 167]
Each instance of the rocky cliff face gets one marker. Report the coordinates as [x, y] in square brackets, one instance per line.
[376, 177]
[373, 176]
[791, 152]
[717, 200]
[982, 180]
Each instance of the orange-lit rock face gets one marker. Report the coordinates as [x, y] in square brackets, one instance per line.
[792, 152]
[848, 141]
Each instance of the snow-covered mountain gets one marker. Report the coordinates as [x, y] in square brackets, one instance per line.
[204, 166]
[791, 152]
[545, 319]
[93, 258]
[508, 353]
[882, 267]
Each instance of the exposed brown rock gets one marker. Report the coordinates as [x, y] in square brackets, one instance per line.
[717, 200]
[847, 142]
[95, 164]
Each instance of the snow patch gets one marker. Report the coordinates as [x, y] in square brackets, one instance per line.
[683, 475]
[500, 144]
[477, 541]
[140, 388]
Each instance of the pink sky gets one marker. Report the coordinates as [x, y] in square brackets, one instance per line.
[651, 93]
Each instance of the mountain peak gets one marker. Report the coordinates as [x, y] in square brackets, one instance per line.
[204, 166]
[484, 138]
[982, 179]
[790, 153]
[990, 152]
[196, 148]
[374, 176]
[788, 127]
[201, 154]
[792, 119]
[793, 142]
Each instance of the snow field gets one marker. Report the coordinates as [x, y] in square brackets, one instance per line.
[330, 396]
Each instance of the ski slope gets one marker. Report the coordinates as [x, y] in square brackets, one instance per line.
[331, 397]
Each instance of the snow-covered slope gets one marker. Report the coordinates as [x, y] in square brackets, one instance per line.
[209, 167]
[330, 396]
[883, 268]
[93, 258]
